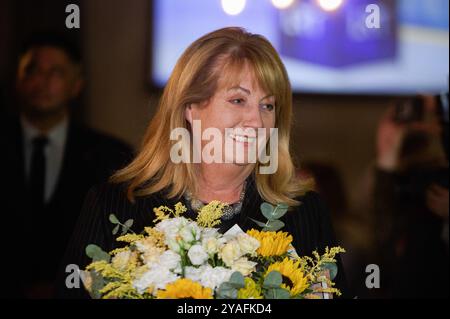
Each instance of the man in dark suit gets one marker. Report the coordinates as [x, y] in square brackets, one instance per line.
[49, 162]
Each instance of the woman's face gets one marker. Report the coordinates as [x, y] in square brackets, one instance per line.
[242, 112]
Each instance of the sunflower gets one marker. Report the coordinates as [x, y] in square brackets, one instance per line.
[250, 291]
[294, 278]
[271, 243]
[184, 289]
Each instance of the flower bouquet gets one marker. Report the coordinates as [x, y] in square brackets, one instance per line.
[182, 258]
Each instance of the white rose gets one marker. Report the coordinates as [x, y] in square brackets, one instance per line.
[169, 260]
[197, 255]
[230, 252]
[248, 244]
[244, 266]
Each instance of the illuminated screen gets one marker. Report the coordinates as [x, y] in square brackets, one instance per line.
[327, 46]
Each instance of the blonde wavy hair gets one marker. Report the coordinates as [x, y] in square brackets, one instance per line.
[195, 80]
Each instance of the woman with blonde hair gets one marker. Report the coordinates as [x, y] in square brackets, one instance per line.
[232, 83]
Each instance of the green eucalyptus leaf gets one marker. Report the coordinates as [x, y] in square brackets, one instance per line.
[267, 210]
[115, 230]
[124, 230]
[96, 253]
[129, 223]
[273, 280]
[237, 280]
[274, 225]
[113, 219]
[277, 293]
[279, 211]
[260, 224]
[226, 291]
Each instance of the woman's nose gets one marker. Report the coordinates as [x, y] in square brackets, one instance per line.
[253, 116]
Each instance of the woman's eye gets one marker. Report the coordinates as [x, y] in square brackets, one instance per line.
[237, 101]
[269, 107]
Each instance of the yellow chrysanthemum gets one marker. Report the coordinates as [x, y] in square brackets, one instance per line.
[250, 291]
[272, 243]
[184, 289]
[294, 278]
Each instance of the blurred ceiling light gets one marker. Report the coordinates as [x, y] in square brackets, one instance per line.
[282, 4]
[330, 5]
[233, 7]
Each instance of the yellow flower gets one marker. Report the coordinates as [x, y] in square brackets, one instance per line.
[271, 243]
[160, 213]
[294, 278]
[250, 291]
[130, 238]
[179, 209]
[209, 215]
[184, 289]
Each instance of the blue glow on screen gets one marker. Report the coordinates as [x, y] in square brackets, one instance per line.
[323, 52]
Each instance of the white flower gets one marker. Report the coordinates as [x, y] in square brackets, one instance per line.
[173, 245]
[208, 276]
[197, 255]
[169, 260]
[190, 232]
[121, 259]
[230, 252]
[247, 244]
[149, 252]
[193, 273]
[209, 233]
[214, 277]
[244, 266]
[211, 245]
[186, 234]
[156, 277]
[171, 227]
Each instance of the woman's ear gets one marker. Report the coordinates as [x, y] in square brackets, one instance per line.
[188, 113]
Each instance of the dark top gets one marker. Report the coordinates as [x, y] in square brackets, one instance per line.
[309, 224]
[40, 240]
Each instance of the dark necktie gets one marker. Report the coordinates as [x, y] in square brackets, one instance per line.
[37, 173]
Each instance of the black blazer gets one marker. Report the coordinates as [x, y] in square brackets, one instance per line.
[90, 158]
[309, 224]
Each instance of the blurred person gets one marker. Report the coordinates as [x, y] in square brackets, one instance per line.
[49, 163]
[411, 200]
